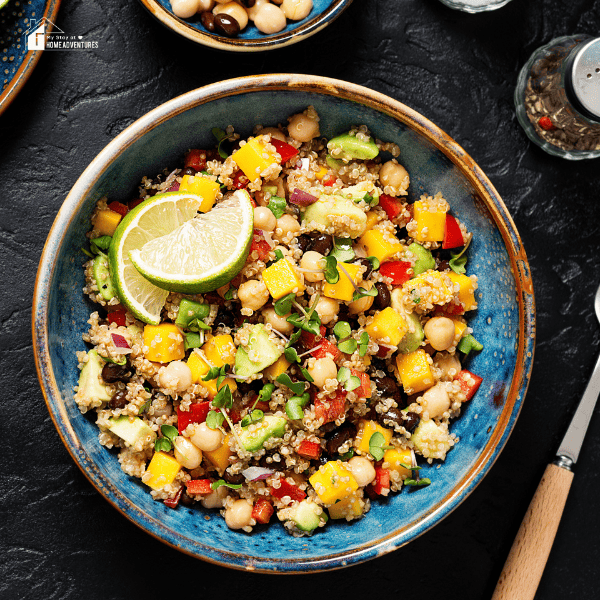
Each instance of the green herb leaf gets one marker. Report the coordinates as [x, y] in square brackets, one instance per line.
[193, 340]
[348, 346]
[229, 294]
[313, 325]
[277, 206]
[352, 383]
[459, 259]
[162, 444]
[221, 137]
[223, 399]
[291, 355]
[363, 344]
[376, 443]
[220, 482]
[418, 482]
[374, 262]
[294, 337]
[197, 325]
[254, 417]
[362, 292]
[169, 431]
[306, 375]
[348, 455]
[143, 408]
[283, 306]
[279, 254]
[410, 467]
[214, 419]
[469, 343]
[332, 274]
[87, 253]
[294, 406]
[100, 244]
[342, 249]
[213, 373]
[296, 387]
[342, 330]
[343, 374]
[121, 361]
[148, 387]
[265, 393]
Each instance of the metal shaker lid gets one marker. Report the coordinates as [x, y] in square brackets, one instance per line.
[583, 77]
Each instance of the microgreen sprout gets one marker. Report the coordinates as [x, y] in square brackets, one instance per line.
[374, 262]
[254, 416]
[294, 406]
[332, 275]
[377, 445]
[144, 407]
[193, 340]
[291, 355]
[283, 306]
[229, 294]
[278, 254]
[214, 419]
[363, 343]
[362, 292]
[458, 261]
[342, 249]
[349, 381]
[217, 484]
[296, 386]
[165, 443]
[221, 137]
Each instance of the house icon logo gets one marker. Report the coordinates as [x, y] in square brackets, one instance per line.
[38, 32]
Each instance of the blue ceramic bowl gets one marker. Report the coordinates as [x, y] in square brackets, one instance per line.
[250, 39]
[504, 321]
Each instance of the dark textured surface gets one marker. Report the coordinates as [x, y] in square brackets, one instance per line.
[58, 537]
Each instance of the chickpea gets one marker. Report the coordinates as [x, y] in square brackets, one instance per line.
[322, 370]
[286, 224]
[397, 304]
[253, 294]
[362, 305]
[215, 499]
[239, 514]
[184, 9]
[394, 175]
[233, 9]
[279, 323]
[186, 454]
[436, 400]
[253, 10]
[448, 364]
[302, 128]
[264, 219]
[440, 332]
[270, 19]
[327, 309]
[175, 376]
[273, 131]
[312, 260]
[204, 5]
[296, 9]
[362, 469]
[205, 438]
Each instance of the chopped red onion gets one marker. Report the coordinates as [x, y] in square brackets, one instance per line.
[174, 188]
[301, 198]
[256, 473]
[119, 341]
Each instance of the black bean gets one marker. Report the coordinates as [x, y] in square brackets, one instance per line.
[386, 386]
[186, 500]
[112, 372]
[304, 242]
[411, 420]
[383, 298]
[189, 171]
[443, 265]
[225, 317]
[378, 364]
[119, 400]
[321, 243]
[365, 263]
[408, 420]
[234, 479]
[208, 20]
[248, 3]
[272, 463]
[226, 25]
[340, 436]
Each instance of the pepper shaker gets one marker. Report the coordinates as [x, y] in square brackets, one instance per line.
[557, 97]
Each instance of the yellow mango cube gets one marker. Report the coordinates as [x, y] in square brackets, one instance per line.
[459, 328]
[349, 508]
[333, 482]
[466, 293]
[394, 459]
[366, 429]
[321, 173]
[431, 226]
[281, 279]
[381, 246]
[163, 468]
[388, 327]
[343, 289]
[220, 350]
[163, 343]
[219, 457]
[199, 368]
[253, 158]
[429, 287]
[414, 371]
[201, 186]
[106, 222]
[372, 219]
[279, 367]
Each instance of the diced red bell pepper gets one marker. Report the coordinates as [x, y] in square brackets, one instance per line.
[287, 489]
[118, 207]
[309, 340]
[262, 511]
[453, 237]
[118, 317]
[325, 347]
[546, 123]
[240, 181]
[173, 502]
[364, 389]
[337, 407]
[235, 415]
[199, 486]
[134, 203]
[260, 245]
[196, 414]
[469, 382]
[308, 449]
[285, 150]
[381, 485]
[196, 159]
[398, 271]
[392, 206]
[328, 180]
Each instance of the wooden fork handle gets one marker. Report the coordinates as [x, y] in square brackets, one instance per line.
[525, 564]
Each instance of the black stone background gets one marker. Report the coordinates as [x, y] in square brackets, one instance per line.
[59, 539]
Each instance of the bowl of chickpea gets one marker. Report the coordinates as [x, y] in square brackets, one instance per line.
[246, 25]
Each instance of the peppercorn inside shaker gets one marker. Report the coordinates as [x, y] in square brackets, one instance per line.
[557, 97]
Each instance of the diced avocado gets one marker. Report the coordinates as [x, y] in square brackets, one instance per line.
[262, 349]
[191, 313]
[91, 384]
[361, 191]
[270, 426]
[132, 430]
[412, 340]
[272, 189]
[307, 515]
[335, 206]
[332, 163]
[351, 147]
[102, 277]
[425, 260]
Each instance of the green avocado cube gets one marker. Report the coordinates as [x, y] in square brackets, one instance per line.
[91, 384]
[347, 147]
[254, 436]
[263, 350]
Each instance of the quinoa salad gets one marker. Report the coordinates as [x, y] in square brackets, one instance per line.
[325, 372]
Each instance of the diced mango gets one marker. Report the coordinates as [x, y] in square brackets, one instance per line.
[333, 482]
[321, 173]
[163, 468]
[343, 289]
[459, 328]
[106, 222]
[281, 279]
[429, 287]
[388, 326]
[163, 343]
[382, 246]
[395, 459]
[201, 186]
[252, 158]
[466, 293]
[199, 368]
[366, 429]
[372, 218]
[430, 225]
[350, 507]
[220, 350]
[279, 367]
[414, 371]
[219, 457]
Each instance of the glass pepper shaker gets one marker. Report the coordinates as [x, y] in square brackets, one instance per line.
[557, 97]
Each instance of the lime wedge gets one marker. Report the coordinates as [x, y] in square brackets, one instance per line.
[204, 253]
[152, 218]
